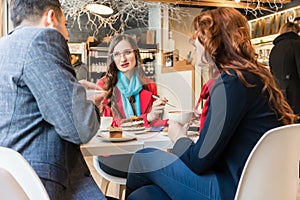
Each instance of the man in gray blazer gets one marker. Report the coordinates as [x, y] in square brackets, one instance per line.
[44, 113]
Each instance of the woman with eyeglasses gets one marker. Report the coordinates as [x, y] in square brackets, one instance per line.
[129, 93]
[244, 104]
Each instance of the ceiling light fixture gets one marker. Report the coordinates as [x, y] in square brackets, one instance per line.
[99, 9]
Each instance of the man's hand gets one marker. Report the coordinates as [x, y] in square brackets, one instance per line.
[89, 85]
[96, 97]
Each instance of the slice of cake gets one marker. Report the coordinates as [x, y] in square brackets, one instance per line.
[133, 123]
[115, 132]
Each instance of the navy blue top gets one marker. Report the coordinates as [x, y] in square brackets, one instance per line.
[238, 116]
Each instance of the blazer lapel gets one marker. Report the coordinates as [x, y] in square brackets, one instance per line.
[119, 103]
[145, 100]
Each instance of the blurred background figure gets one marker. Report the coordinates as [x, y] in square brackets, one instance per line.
[285, 63]
[80, 68]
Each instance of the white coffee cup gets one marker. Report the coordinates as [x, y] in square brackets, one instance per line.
[180, 116]
[105, 123]
[91, 93]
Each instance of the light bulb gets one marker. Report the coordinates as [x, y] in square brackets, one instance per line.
[99, 9]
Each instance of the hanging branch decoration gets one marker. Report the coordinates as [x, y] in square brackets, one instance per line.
[290, 16]
[256, 7]
[124, 11]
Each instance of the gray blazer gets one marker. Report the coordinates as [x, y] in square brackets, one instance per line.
[44, 112]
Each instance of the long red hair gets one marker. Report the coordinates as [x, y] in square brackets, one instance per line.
[225, 35]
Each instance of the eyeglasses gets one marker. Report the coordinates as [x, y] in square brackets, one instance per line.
[117, 55]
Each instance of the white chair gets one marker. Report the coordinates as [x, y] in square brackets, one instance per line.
[271, 170]
[107, 178]
[17, 178]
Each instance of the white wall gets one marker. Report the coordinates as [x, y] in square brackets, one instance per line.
[5, 23]
[182, 32]
[3, 18]
[177, 88]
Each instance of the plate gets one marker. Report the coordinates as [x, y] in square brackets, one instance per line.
[134, 132]
[122, 139]
[144, 134]
[131, 129]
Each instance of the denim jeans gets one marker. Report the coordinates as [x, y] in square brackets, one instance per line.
[167, 172]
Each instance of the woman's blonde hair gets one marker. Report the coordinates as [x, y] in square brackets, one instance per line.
[225, 35]
[289, 27]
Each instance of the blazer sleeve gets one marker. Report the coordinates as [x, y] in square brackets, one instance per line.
[61, 99]
[152, 87]
[101, 84]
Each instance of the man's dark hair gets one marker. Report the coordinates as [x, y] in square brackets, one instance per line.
[31, 10]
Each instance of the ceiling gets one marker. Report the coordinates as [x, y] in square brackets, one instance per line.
[264, 6]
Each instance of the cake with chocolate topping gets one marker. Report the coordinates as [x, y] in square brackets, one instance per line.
[133, 123]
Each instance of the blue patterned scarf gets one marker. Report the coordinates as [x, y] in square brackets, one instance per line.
[128, 89]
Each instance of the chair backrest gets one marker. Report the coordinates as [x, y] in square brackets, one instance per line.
[110, 178]
[9, 187]
[17, 176]
[271, 170]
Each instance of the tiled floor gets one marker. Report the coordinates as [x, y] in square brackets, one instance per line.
[112, 189]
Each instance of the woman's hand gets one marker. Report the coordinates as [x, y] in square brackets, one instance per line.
[177, 130]
[196, 116]
[158, 107]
